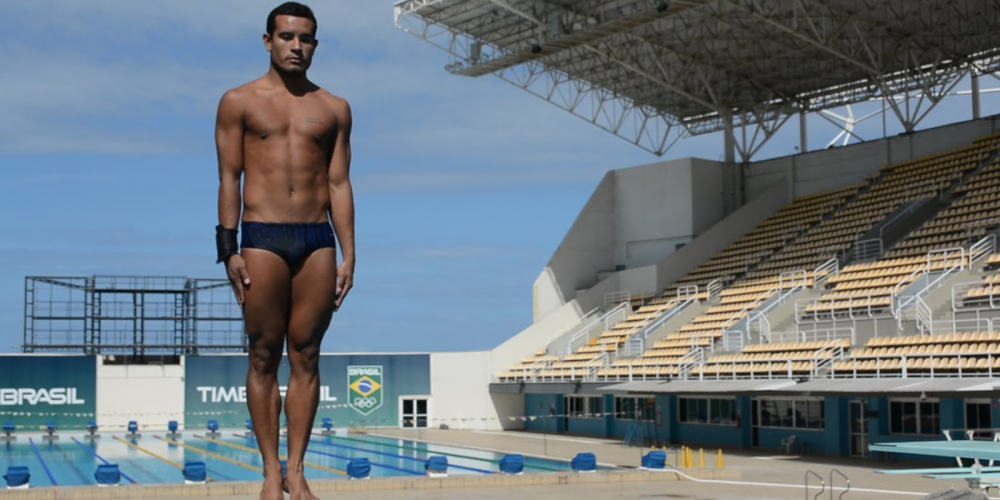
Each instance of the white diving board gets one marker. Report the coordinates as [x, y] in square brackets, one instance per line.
[982, 450]
[939, 470]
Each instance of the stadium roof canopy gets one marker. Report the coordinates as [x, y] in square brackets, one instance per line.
[652, 71]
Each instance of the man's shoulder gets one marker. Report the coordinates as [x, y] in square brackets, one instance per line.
[243, 92]
[336, 102]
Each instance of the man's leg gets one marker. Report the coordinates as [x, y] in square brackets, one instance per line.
[266, 316]
[313, 294]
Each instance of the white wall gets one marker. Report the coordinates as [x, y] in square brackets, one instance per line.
[635, 217]
[152, 395]
[586, 249]
[460, 387]
[721, 234]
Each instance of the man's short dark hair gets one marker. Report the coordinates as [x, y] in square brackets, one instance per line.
[290, 9]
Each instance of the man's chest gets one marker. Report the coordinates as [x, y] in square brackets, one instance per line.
[307, 119]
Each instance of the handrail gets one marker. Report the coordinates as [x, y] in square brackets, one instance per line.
[932, 285]
[783, 295]
[944, 252]
[982, 248]
[687, 291]
[825, 270]
[584, 331]
[863, 249]
[697, 355]
[993, 299]
[714, 287]
[616, 298]
[905, 282]
[924, 317]
[908, 210]
[847, 479]
[645, 330]
[735, 318]
[822, 484]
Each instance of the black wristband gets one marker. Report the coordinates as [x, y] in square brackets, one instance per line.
[225, 243]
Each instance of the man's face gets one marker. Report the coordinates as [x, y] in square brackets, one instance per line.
[292, 44]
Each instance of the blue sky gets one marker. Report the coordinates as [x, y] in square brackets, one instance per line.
[464, 187]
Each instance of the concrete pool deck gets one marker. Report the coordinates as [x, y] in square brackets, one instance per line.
[747, 475]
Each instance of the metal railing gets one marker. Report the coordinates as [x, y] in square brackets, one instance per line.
[982, 248]
[958, 370]
[750, 369]
[612, 299]
[690, 360]
[825, 271]
[788, 284]
[904, 303]
[817, 335]
[988, 297]
[635, 342]
[714, 287]
[570, 342]
[924, 318]
[910, 208]
[864, 250]
[859, 307]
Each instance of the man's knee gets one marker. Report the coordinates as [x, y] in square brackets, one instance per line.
[303, 356]
[265, 357]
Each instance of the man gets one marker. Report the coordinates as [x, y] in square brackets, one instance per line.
[291, 141]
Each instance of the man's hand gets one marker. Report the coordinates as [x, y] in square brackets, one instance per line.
[345, 281]
[236, 268]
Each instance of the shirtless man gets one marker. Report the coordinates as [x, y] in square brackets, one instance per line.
[291, 139]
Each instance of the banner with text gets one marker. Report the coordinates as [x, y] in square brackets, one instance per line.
[355, 389]
[35, 390]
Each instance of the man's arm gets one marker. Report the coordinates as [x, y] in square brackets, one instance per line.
[229, 146]
[342, 199]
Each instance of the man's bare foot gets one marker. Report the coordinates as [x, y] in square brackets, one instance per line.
[298, 487]
[272, 488]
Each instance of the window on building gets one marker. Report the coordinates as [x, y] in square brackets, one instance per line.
[978, 418]
[624, 408]
[707, 411]
[575, 406]
[630, 408]
[791, 413]
[596, 408]
[914, 417]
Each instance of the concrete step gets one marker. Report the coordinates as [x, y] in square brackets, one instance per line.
[782, 318]
[682, 318]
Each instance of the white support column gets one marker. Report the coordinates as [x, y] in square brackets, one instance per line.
[730, 140]
[975, 95]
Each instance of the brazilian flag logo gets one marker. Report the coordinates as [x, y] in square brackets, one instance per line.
[364, 388]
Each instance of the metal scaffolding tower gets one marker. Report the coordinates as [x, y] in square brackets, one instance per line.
[133, 315]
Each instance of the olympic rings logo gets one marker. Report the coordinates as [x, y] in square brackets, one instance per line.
[365, 402]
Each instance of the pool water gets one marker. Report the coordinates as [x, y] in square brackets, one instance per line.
[73, 459]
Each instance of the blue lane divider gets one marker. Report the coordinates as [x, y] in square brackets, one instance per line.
[94, 452]
[393, 455]
[375, 464]
[44, 465]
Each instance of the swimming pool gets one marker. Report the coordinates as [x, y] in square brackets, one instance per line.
[153, 458]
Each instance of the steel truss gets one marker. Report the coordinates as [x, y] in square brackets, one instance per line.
[136, 315]
[653, 71]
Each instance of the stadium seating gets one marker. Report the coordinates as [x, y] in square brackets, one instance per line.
[774, 359]
[965, 352]
[786, 253]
